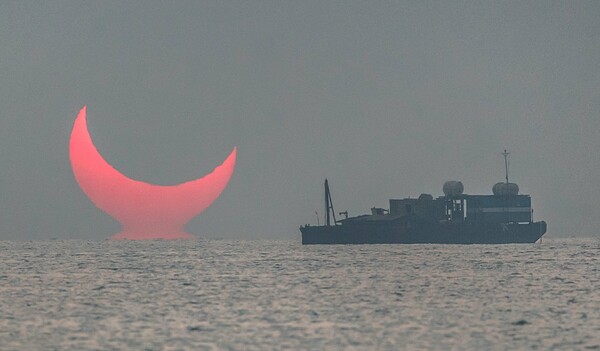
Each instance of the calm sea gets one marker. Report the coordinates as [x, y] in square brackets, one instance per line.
[269, 295]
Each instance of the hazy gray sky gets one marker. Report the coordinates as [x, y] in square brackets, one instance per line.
[386, 99]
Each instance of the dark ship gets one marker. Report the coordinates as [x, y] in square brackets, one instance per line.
[505, 217]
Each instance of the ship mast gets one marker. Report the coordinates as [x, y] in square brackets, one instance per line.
[506, 163]
[328, 205]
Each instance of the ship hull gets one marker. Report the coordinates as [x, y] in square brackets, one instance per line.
[427, 233]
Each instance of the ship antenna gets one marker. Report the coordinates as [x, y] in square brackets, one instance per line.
[506, 163]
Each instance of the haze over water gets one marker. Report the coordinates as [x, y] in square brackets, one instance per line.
[386, 99]
[271, 295]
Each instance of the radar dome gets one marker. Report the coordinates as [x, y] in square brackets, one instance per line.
[505, 189]
[453, 188]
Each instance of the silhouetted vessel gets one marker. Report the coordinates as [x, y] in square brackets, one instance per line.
[455, 218]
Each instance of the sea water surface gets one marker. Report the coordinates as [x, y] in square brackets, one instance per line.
[280, 295]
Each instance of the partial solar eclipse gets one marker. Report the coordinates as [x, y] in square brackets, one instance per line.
[145, 211]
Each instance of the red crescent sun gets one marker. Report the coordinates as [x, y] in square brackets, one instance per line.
[145, 211]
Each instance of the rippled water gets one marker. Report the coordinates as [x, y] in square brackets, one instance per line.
[268, 295]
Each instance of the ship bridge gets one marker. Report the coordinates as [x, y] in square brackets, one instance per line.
[488, 208]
